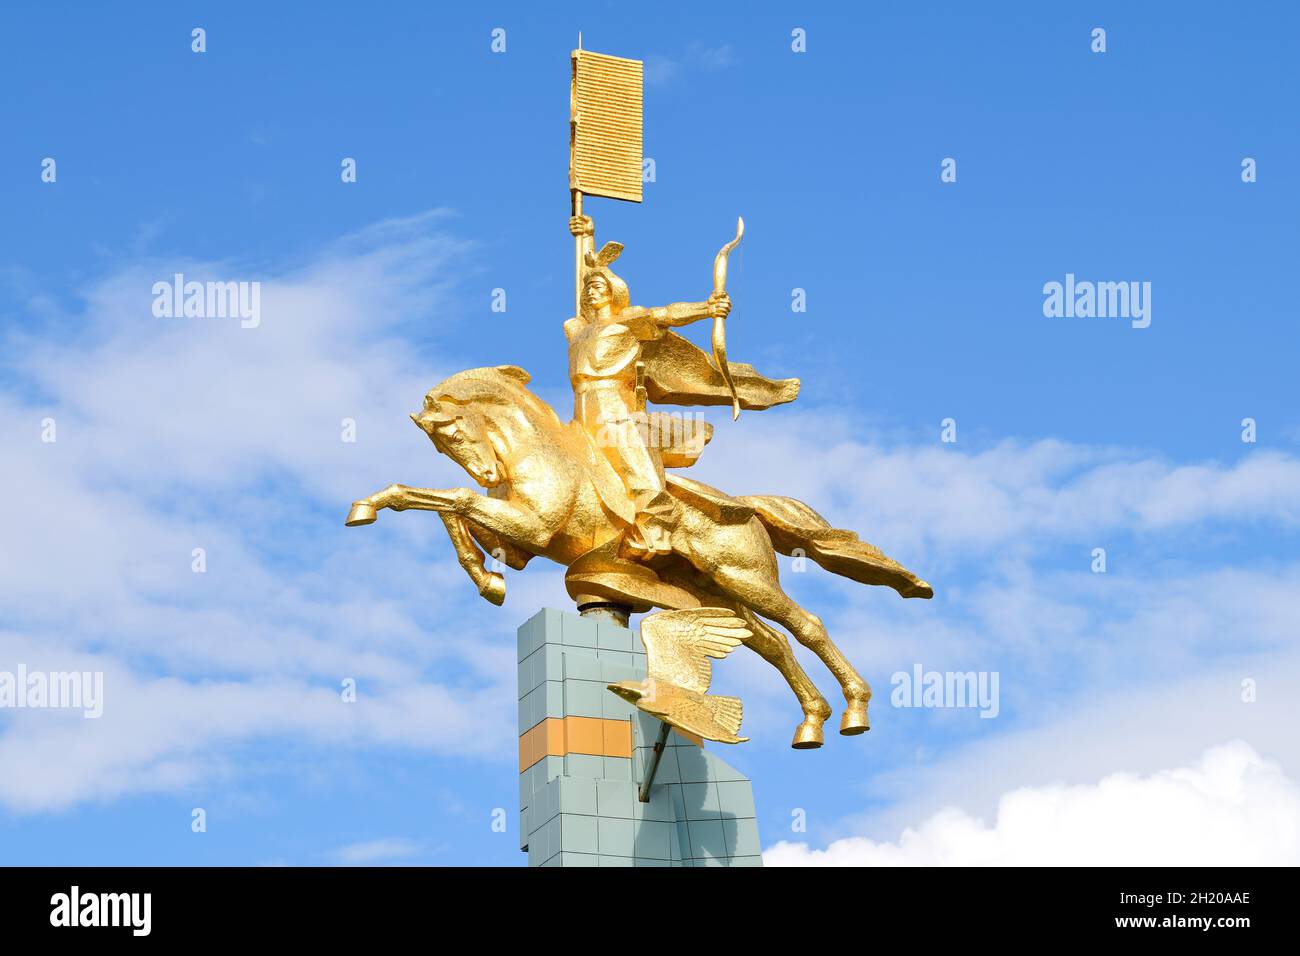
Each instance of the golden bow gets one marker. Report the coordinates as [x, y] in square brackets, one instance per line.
[719, 322]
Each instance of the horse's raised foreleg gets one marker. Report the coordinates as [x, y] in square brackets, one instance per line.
[465, 537]
[503, 519]
[491, 586]
[501, 550]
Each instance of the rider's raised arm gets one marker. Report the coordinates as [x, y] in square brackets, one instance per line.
[651, 323]
[679, 313]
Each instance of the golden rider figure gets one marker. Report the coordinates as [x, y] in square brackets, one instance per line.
[605, 344]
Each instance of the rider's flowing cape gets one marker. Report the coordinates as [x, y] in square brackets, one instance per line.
[679, 373]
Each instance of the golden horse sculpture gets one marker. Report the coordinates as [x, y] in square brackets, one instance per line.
[552, 492]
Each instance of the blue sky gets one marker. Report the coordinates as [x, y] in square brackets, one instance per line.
[924, 303]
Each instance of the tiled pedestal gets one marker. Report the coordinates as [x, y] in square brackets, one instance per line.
[583, 752]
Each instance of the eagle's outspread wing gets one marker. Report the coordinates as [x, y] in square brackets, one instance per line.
[678, 644]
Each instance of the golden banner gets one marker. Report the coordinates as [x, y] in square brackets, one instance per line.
[605, 126]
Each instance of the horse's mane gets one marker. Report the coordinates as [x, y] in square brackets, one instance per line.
[502, 386]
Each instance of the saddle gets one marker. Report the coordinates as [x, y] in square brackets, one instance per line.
[678, 442]
[605, 574]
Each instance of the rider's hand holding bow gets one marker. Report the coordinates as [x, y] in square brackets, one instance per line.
[719, 305]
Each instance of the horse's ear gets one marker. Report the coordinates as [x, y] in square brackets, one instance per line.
[515, 372]
[434, 413]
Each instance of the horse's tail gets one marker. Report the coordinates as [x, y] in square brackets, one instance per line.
[795, 527]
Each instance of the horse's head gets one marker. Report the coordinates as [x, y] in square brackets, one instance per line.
[462, 417]
[459, 432]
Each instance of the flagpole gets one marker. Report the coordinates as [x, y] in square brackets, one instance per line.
[605, 100]
[579, 248]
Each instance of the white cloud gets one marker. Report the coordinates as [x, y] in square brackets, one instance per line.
[371, 852]
[1140, 724]
[183, 433]
[942, 502]
[986, 526]
[1230, 808]
[158, 733]
[207, 404]
[661, 69]
[175, 434]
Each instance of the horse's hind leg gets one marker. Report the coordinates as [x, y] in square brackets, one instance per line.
[772, 646]
[773, 603]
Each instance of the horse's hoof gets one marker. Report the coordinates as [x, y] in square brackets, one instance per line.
[494, 589]
[361, 513]
[921, 589]
[855, 719]
[808, 736]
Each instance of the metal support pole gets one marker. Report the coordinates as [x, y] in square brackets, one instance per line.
[644, 793]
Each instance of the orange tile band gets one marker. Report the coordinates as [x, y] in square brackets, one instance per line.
[599, 736]
[557, 736]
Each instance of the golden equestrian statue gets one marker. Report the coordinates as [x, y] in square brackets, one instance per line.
[592, 494]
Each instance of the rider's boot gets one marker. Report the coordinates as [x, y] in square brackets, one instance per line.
[652, 528]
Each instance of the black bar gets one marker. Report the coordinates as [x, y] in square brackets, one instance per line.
[493, 906]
